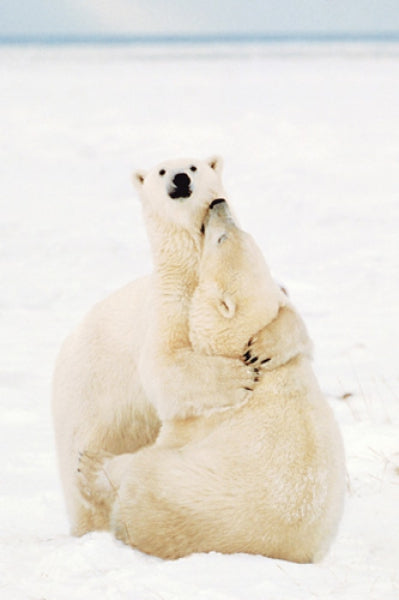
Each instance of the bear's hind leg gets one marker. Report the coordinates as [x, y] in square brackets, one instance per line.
[169, 505]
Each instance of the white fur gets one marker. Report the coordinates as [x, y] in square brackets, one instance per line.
[129, 363]
[265, 476]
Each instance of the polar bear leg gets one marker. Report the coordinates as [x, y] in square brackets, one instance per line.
[168, 507]
[85, 512]
[98, 401]
[189, 383]
[173, 502]
[89, 509]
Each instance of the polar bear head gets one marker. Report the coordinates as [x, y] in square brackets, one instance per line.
[178, 192]
[236, 295]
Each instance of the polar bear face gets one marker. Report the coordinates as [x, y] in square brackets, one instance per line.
[236, 295]
[179, 191]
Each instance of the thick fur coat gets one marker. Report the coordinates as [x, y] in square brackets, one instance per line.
[129, 364]
[264, 475]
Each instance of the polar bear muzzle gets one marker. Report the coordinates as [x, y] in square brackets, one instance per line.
[216, 202]
[220, 218]
[180, 186]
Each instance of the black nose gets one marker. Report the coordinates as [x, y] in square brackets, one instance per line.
[181, 180]
[180, 186]
[216, 202]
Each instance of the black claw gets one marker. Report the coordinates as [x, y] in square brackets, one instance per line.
[262, 362]
[253, 360]
[256, 370]
[256, 379]
[249, 389]
[247, 356]
[250, 342]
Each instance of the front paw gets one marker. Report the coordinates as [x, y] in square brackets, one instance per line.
[251, 371]
[94, 482]
[254, 358]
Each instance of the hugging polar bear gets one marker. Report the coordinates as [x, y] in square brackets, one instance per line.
[129, 365]
[263, 476]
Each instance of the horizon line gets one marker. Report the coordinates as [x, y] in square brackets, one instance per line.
[197, 38]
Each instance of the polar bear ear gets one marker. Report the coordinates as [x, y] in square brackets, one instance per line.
[227, 306]
[216, 163]
[138, 178]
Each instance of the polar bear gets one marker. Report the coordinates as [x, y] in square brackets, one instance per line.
[265, 476]
[129, 364]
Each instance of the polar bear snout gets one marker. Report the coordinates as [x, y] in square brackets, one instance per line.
[216, 202]
[218, 220]
[180, 186]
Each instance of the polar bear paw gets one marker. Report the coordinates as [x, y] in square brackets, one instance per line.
[278, 342]
[94, 481]
[254, 357]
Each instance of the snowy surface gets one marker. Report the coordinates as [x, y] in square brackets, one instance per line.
[311, 148]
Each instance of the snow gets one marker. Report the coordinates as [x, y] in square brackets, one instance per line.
[310, 140]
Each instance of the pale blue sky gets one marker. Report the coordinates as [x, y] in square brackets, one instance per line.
[196, 16]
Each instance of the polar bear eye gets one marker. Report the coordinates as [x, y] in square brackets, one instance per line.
[162, 172]
[193, 168]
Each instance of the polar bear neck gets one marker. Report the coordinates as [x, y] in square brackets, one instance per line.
[176, 254]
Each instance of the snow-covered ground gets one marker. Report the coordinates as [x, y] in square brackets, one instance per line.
[311, 147]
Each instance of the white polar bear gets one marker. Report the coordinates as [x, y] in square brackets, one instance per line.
[265, 477]
[129, 364]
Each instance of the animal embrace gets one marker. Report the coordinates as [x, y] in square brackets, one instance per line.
[187, 415]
